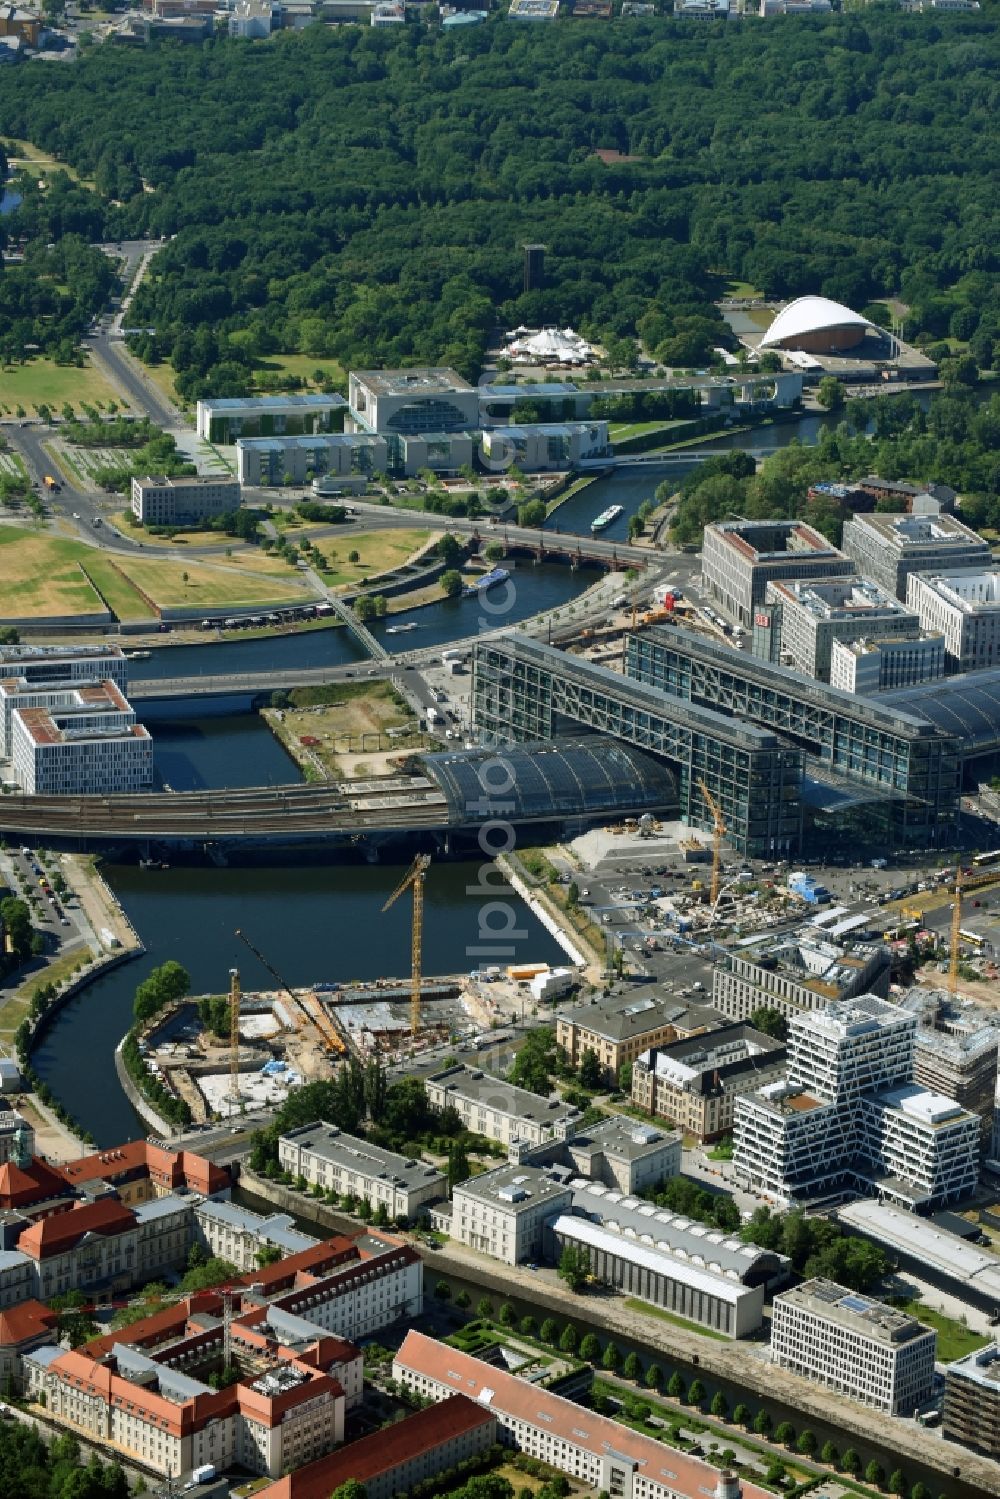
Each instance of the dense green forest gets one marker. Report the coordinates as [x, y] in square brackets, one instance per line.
[362, 195]
[31, 1470]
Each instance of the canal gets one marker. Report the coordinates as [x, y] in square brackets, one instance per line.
[657, 1347]
[215, 748]
[314, 923]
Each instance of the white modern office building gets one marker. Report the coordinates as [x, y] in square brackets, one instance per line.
[226, 419]
[327, 1157]
[869, 665]
[848, 1117]
[263, 461]
[740, 558]
[889, 548]
[964, 607]
[814, 614]
[169, 502]
[415, 401]
[86, 742]
[854, 1346]
[47, 664]
[536, 448]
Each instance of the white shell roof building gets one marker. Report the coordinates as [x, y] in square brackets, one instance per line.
[815, 325]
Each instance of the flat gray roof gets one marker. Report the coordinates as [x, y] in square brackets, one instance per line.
[311, 401]
[624, 1139]
[421, 381]
[332, 1144]
[943, 1253]
[861, 1315]
[717, 1251]
[517, 1189]
[495, 1093]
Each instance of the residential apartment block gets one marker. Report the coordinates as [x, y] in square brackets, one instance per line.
[173, 502]
[740, 558]
[814, 614]
[878, 665]
[854, 1346]
[595, 1451]
[502, 1212]
[695, 1083]
[849, 1118]
[797, 972]
[889, 548]
[964, 607]
[620, 1029]
[327, 1157]
[497, 1109]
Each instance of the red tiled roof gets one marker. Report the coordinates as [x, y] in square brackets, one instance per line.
[382, 1451]
[167, 1168]
[27, 1320]
[60, 1232]
[314, 1262]
[505, 1394]
[22, 1185]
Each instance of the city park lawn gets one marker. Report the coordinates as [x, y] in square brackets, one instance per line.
[49, 575]
[42, 575]
[954, 1339]
[42, 382]
[379, 551]
[24, 157]
[125, 522]
[300, 366]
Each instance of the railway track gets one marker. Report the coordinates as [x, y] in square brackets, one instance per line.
[248, 812]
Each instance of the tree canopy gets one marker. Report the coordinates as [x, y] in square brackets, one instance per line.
[362, 195]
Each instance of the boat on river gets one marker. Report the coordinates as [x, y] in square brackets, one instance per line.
[138, 655]
[603, 521]
[486, 582]
[401, 629]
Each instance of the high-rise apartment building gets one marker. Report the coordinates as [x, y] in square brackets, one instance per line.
[848, 1116]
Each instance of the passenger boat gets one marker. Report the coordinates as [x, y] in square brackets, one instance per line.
[486, 582]
[602, 521]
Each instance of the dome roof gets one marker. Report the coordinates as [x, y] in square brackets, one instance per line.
[811, 315]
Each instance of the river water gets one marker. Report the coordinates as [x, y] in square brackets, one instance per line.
[319, 922]
[314, 923]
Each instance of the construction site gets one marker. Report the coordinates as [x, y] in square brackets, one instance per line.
[243, 1050]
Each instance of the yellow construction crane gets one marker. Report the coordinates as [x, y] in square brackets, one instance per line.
[234, 1037]
[719, 828]
[294, 1009]
[956, 931]
[414, 876]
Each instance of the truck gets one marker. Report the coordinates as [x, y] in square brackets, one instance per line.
[203, 1474]
[49, 482]
[433, 716]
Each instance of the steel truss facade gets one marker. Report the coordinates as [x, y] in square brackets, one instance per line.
[523, 690]
[916, 765]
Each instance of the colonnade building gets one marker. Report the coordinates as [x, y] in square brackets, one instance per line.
[848, 1117]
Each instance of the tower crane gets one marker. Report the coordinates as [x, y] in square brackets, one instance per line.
[235, 995]
[414, 876]
[294, 1014]
[718, 828]
[309, 1006]
[956, 931]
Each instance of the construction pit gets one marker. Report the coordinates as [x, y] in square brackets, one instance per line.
[291, 1037]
